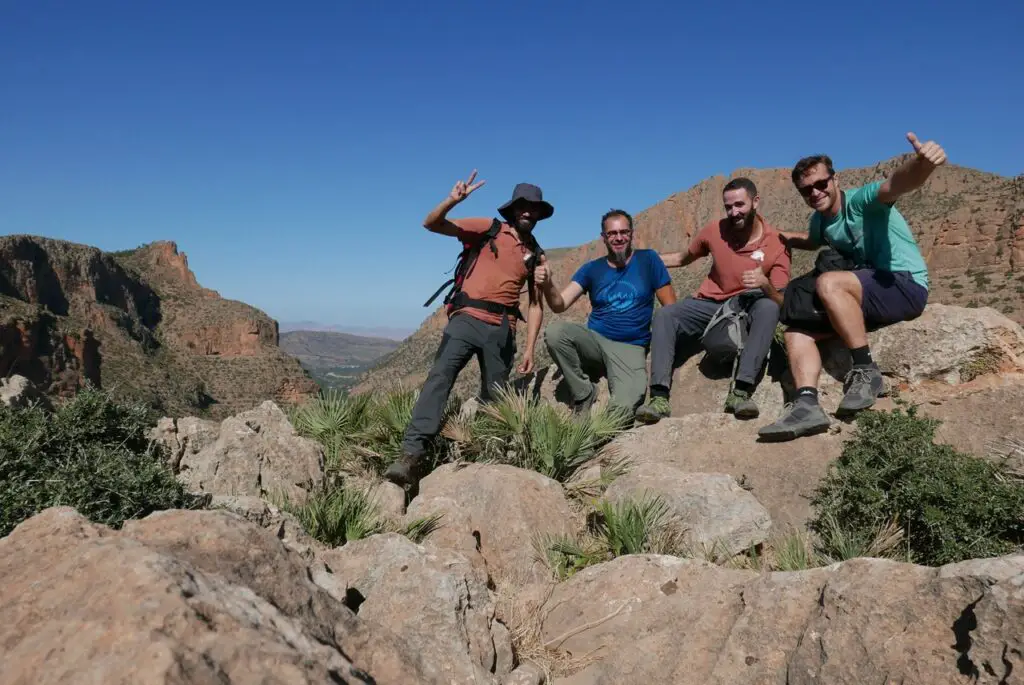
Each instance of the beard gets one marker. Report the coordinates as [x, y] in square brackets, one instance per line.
[525, 224]
[745, 222]
[621, 255]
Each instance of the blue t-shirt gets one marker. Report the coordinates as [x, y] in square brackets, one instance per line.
[622, 299]
[873, 233]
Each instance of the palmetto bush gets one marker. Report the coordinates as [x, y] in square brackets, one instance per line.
[519, 430]
[361, 433]
[644, 525]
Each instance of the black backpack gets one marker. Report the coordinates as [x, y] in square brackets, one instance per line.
[471, 248]
[801, 306]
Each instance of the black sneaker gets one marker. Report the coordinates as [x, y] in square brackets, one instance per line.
[406, 471]
[799, 418]
[862, 386]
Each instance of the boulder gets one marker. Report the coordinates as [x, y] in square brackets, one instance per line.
[714, 513]
[495, 512]
[179, 597]
[255, 453]
[185, 436]
[781, 476]
[434, 599]
[18, 391]
[860, 621]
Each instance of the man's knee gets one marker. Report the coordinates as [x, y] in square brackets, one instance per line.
[833, 283]
[764, 307]
[556, 333]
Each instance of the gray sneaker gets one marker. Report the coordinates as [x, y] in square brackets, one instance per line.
[862, 385]
[798, 419]
[583, 406]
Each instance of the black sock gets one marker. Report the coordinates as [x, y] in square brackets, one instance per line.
[861, 356]
[808, 394]
[744, 386]
[659, 391]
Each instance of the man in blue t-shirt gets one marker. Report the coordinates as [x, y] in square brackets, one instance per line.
[622, 286]
[889, 283]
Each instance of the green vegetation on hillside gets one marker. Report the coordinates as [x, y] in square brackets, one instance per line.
[949, 506]
[92, 454]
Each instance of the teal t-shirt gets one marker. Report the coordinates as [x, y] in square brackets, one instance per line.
[872, 233]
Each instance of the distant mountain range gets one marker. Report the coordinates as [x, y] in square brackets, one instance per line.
[390, 333]
[335, 360]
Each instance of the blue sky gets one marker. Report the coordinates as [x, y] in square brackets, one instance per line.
[292, 149]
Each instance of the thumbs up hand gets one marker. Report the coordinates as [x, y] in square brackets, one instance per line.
[930, 152]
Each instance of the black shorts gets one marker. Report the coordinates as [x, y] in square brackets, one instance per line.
[890, 296]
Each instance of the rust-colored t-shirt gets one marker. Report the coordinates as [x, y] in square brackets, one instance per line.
[726, 276]
[494, 278]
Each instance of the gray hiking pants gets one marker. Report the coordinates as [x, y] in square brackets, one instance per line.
[464, 337]
[582, 354]
[685, 321]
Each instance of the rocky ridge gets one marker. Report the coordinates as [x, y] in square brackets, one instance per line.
[240, 590]
[139, 324]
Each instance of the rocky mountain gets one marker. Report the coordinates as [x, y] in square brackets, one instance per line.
[138, 324]
[968, 223]
[335, 360]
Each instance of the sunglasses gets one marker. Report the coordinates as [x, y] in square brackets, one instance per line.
[820, 185]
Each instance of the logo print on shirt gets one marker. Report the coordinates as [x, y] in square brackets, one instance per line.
[621, 296]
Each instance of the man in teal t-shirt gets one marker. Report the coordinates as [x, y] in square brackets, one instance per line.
[890, 283]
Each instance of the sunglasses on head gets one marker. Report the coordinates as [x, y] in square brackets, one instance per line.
[821, 185]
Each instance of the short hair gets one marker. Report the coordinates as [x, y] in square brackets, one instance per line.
[741, 183]
[616, 212]
[808, 163]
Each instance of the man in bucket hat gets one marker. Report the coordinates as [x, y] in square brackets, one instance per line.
[482, 308]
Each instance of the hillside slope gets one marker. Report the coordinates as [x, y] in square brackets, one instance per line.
[968, 223]
[335, 360]
[139, 324]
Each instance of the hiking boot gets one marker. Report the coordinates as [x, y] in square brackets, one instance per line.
[405, 471]
[583, 406]
[799, 418]
[862, 385]
[741, 405]
[654, 411]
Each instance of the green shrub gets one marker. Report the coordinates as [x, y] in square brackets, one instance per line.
[522, 431]
[336, 514]
[948, 506]
[92, 454]
[644, 525]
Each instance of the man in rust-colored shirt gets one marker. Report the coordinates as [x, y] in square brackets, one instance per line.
[482, 309]
[750, 262]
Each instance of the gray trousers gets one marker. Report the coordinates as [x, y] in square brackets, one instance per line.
[684, 322]
[581, 354]
[464, 337]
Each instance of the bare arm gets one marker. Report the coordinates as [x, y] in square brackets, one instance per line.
[437, 220]
[534, 319]
[676, 259]
[798, 241]
[912, 174]
[666, 294]
[560, 301]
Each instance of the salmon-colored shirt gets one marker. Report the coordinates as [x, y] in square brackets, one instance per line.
[726, 276]
[494, 278]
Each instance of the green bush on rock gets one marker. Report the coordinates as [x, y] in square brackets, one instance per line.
[91, 453]
[950, 506]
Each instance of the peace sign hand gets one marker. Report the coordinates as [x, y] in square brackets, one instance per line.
[930, 151]
[462, 189]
